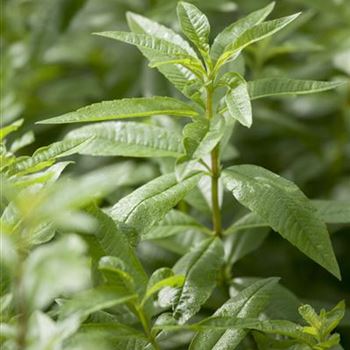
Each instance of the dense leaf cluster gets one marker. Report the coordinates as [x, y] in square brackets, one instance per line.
[73, 276]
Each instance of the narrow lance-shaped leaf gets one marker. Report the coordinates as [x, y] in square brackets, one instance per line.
[8, 129]
[200, 267]
[178, 75]
[47, 155]
[248, 303]
[147, 205]
[140, 24]
[254, 34]
[285, 208]
[125, 108]
[284, 86]
[238, 104]
[128, 139]
[160, 47]
[280, 327]
[330, 211]
[237, 28]
[194, 25]
[23, 141]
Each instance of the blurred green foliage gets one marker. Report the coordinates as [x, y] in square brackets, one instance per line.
[51, 64]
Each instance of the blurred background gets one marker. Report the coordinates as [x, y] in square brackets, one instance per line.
[51, 64]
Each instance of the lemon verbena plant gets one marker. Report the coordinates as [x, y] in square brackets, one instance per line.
[121, 305]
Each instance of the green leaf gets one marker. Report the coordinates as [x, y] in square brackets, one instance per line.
[46, 156]
[175, 222]
[284, 86]
[114, 242]
[125, 108]
[200, 267]
[25, 140]
[128, 139]
[115, 272]
[148, 205]
[103, 297]
[333, 211]
[175, 281]
[68, 194]
[106, 336]
[334, 317]
[160, 47]
[330, 211]
[8, 129]
[179, 76]
[252, 35]
[43, 333]
[48, 176]
[280, 327]
[285, 208]
[200, 138]
[140, 24]
[238, 104]
[236, 29]
[54, 269]
[283, 303]
[194, 25]
[248, 303]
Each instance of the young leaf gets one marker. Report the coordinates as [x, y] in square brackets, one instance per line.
[284, 86]
[200, 267]
[125, 108]
[194, 25]
[128, 139]
[160, 47]
[200, 138]
[248, 303]
[25, 140]
[8, 129]
[175, 281]
[238, 104]
[46, 156]
[252, 35]
[140, 24]
[148, 205]
[232, 32]
[285, 208]
[180, 77]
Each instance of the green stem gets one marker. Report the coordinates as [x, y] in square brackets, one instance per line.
[215, 171]
[146, 327]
